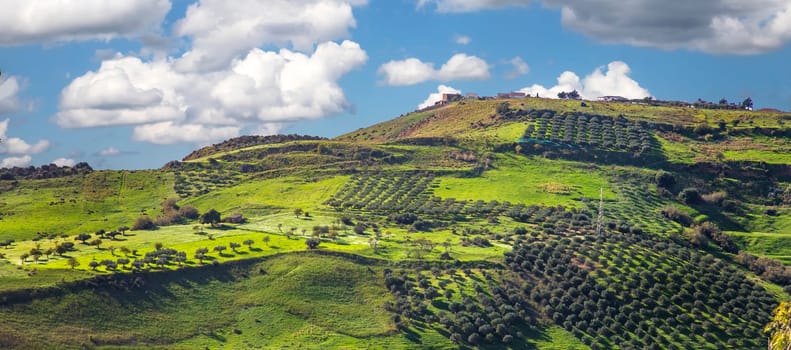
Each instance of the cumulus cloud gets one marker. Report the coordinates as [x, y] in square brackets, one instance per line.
[264, 86]
[224, 81]
[166, 133]
[462, 40]
[437, 96]
[11, 162]
[9, 88]
[414, 71]
[29, 21]
[713, 26]
[64, 162]
[520, 67]
[15, 145]
[615, 81]
[221, 30]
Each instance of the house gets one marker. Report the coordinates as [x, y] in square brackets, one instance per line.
[471, 95]
[612, 98]
[450, 97]
[234, 219]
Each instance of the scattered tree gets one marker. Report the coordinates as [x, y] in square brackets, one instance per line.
[211, 217]
[312, 242]
[72, 262]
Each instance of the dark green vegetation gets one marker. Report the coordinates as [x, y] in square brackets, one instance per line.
[469, 225]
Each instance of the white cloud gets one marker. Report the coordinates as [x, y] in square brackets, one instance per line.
[437, 96]
[615, 81]
[31, 21]
[224, 82]
[108, 152]
[520, 67]
[263, 86]
[11, 162]
[64, 162]
[9, 88]
[462, 40]
[221, 30]
[713, 26]
[15, 145]
[166, 133]
[414, 71]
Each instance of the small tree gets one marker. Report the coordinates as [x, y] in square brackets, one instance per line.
[211, 217]
[83, 237]
[72, 262]
[747, 103]
[200, 254]
[234, 246]
[93, 264]
[219, 249]
[249, 242]
[312, 242]
[96, 242]
[123, 230]
[297, 212]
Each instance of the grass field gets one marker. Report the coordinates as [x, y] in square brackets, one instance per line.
[529, 180]
[101, 200]
[264, 195]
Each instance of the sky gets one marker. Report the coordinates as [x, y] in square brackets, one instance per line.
[134, 84]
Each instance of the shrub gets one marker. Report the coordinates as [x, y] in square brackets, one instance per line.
[665, 179]
[405, 218]
[677, 215]
[690, 195]
[189, 212]
[144, 223]
[716, 198]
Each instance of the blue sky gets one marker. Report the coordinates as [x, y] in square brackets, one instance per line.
[134, 84]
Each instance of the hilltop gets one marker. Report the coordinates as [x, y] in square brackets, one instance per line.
[472, 224]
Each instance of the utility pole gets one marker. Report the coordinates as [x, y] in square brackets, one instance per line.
[600, 219]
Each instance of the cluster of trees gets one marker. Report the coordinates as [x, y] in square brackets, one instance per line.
[172, 214]
[591, 130]
[724, 104]
[690, 297]
[44, 172]
[571, 95]
[492, 314]
[769, 269]
[379, 192]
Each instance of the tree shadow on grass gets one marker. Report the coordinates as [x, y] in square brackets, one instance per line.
[256, 249]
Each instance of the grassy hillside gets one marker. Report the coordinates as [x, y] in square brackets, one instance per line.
[472, 225]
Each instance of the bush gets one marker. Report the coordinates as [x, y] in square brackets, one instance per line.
[189, 212]
[716, 198]
[677, 215]
[422, 225]
[405, 218]
[665, 179]
[690, 195]
[144, 223]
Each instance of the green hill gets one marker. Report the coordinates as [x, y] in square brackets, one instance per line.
[474, 224]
